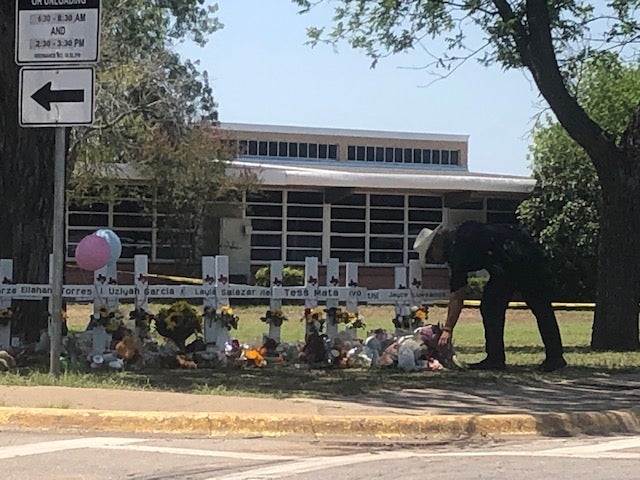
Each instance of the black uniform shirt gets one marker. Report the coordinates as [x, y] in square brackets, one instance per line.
[500, 250]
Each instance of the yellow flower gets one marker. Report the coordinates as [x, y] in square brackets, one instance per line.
[421, 314]
[171, 321]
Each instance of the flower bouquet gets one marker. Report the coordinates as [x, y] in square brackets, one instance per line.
[274, 317]
[142, 319]
[224, 316]
[313, 320]
[178, 322]
[337, 315]
[6, 314]
[354, 320]
[109, 318]
[415, 320]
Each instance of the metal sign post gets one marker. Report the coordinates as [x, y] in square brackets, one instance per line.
[55, 328]
[61, 35]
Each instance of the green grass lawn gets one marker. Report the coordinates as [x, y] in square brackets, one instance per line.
[523, 347]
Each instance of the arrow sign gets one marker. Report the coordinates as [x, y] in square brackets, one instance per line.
[55, 96]
[45, 96]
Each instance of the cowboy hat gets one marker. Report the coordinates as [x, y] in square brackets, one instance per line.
[423, 242]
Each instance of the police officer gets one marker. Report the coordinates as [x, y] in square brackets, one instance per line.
[514, 263]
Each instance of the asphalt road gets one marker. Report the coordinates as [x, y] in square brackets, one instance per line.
[28, 456]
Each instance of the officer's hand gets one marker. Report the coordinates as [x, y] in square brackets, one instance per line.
[445, 339]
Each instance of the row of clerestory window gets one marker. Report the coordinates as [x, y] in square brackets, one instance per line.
[261, 148]
[363, 153]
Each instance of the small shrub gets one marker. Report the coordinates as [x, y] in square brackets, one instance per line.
[290, 277]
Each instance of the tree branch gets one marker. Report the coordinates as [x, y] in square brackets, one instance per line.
[538, 55]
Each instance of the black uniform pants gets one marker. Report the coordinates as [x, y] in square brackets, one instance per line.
[495, 300]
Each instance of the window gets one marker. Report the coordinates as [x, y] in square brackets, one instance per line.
[309, 198]
[303, 150]
[348, 228]
[313, 150]
[360, 153]
[387, 219]
[388, 154]
[303, 235]
[370, 155]
[133, 217]
[293, 149]
[502, 211]
[264, 208]
[265, 196]
[94, 214]
[374, 229]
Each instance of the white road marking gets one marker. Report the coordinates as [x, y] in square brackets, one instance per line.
[61, 445]
[202, 453]
[306, 465]
[311, 464]
[618, 444]
[283, 466]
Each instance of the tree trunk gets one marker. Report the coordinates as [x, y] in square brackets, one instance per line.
[26, 187]
[615, 325]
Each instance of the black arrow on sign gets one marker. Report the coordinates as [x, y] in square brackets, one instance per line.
[45, 96]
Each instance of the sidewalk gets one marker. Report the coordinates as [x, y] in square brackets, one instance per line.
[598, 405]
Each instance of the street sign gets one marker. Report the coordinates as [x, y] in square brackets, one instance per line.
[51, 97]
[57, 31]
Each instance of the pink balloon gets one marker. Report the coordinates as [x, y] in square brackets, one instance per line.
[93, 252]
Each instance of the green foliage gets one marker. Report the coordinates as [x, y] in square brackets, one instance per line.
[475, 286]
[563, 211]
[291, 276]
[381, 28]
[156, 117]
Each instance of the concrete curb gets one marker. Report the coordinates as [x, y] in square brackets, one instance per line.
[388, 426]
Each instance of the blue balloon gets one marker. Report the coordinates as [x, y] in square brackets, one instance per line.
[114, 243]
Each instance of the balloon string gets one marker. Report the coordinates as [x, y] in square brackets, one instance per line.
[97, 294]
